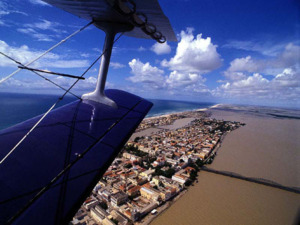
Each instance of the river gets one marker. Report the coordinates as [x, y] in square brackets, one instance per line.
[266, 148]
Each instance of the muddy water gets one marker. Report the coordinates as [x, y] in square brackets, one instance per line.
[265, 147]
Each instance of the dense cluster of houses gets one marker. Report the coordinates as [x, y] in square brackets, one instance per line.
[151, 170]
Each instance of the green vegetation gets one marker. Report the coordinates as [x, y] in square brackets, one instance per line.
[168, 173]
[135, 151]
[193, 175]
[199, 163]
[128, 166]
[136, 140]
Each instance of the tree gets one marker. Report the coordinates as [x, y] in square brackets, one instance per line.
[128, 166]
[114, 221]
[169, 173]
[103, 205]
[136, 139]
[193, 175]
[199, 162]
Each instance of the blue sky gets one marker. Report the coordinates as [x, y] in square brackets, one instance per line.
[236, 51]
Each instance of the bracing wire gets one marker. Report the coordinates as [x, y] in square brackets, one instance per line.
[69, 166]
[26, 135]
[57, 85]
[44, 53]
[58, 100]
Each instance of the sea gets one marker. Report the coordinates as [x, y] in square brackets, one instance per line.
[15, 107]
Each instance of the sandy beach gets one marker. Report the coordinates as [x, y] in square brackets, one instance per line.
[266, 147]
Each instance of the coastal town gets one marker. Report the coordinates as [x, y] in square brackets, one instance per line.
[153, 170]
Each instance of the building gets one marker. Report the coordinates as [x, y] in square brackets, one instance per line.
[119, 217]
[156, 180]
[147, 174]
[150, 193]
[148, 208]
[180, 179]
[118, 198]
[88, 205]
[98, 214]
[131, 157]
[134, 191]
[107, 221]
[167, 194]
[105, 194]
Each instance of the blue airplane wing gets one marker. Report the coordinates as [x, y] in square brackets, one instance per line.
[47, 178]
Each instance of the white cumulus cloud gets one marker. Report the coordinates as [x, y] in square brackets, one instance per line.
[289, 57]
[179, 79]
[161, 49]
[194, 54]
[245, 64]
[285, 86]
[145, 73]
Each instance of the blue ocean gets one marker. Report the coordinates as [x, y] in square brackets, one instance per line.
[15, 108]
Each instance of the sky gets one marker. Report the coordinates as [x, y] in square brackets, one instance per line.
[237, 51]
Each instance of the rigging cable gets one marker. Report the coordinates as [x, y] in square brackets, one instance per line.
[50, 49]
[68, 167]
[57, 85]
[58, 100]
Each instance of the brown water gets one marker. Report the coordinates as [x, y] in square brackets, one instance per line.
[265, 147]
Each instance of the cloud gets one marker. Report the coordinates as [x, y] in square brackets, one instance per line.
[24, 55]
[40, 84]
[285, 86]
[146, 74]
[39, 2]
[245, 64]
[39, 36]
[178, 79]
[177, 83]
[233, 75]
[194, 54]
[266, 48]
[2, 12]
[161, 49]
[45, 25]
[141, 49]
[287, 79]
[117, 65]
[287, 58]
[6, 9]
[34, 30]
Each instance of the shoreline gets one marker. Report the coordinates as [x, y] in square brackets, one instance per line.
[169, 151]
[155, 129]
[227, 114]
[161, 209]
[148, 219]
[181, 112]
